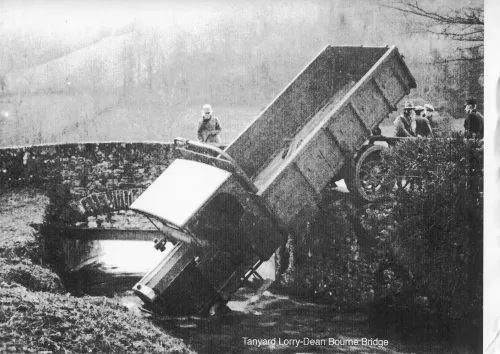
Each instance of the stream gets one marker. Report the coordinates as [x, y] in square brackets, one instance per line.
[268, 322]
[278, 323]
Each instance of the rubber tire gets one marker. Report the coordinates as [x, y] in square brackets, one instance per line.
[354, 183]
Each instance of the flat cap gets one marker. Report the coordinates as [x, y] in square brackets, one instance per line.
[429, 107]
[408, 105]
[471, 101]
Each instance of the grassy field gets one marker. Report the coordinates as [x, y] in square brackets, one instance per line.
[72, 117]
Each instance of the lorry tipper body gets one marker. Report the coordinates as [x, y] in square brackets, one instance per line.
[228, 210]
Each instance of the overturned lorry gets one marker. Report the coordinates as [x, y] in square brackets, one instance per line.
[228, 210]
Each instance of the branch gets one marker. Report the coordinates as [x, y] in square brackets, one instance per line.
[460, 39]
[469, 16]
[464, 26]
[444, 61]
[458, 36]
[475, 46]
[415, 10]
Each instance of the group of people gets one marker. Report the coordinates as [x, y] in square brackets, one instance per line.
[413, 122]
[418, 121]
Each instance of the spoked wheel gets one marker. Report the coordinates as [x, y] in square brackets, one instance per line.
[370, 180]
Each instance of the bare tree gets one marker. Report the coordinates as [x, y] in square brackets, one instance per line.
[465, 25]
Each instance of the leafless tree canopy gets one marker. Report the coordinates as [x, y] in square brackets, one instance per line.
[463, 25]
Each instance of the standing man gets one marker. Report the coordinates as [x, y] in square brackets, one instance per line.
[429, 114]
[208, 127]
[402, 124]
[422, 126]
[474, 123]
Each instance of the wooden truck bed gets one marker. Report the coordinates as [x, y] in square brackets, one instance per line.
[280, 159]
[299, 143]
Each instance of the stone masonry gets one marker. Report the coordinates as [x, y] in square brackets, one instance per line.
[97, 177]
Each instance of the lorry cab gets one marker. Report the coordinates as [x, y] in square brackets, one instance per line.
[221, 230]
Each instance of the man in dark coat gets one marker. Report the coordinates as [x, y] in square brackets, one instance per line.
[422, 125]
[402, 124]
[208, 126]
[474, 123]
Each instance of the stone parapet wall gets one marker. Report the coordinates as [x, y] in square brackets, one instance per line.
[85, 168]
[83, 181]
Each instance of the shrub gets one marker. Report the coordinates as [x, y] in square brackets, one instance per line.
[439, 221]
[326, 263]
[31, 276]
[35, 322]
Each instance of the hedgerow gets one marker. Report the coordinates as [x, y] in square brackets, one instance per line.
[438, 219]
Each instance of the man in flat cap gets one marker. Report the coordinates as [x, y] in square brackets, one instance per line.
[402, 124]
[474, 123]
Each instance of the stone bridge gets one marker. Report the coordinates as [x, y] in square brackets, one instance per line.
[93, 178]
[106, 202]
[89, 179]
[90, 186]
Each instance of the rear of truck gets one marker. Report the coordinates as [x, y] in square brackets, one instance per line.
[318, 125]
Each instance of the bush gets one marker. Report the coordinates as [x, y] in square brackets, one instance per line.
[46, 322]
[31, 276]
[439, 221]
[326, 263]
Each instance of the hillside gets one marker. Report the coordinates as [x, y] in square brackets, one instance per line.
[76, 71]
[146, 77]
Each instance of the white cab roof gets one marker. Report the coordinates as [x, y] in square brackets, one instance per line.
[180, 191]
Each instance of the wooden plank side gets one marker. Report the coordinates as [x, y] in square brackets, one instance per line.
[366, 96]
[385, 79]
[356, 61]
[320, 161]
[371, 104]
[285, 116]
[289, 193]
[348, 129]
[307, 133]
[402, 73]
[388, 79]
[383, 92]
[331, 70]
